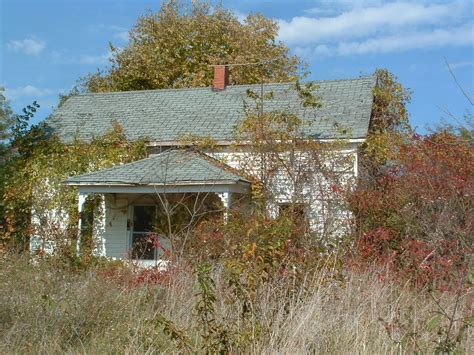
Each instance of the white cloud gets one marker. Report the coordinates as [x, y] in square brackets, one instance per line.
[459, 36]
[28, 46]
[85, 59]
[123, 36]
[117, 31]
[342, 27]
[362, 22]
[332, 7]
[28, 91]
[458, 65]
[94, 59]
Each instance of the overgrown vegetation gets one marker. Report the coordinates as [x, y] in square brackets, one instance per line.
[48, 309]
[35, 202]
[398, 279]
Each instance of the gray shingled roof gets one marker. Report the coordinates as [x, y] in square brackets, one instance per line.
[175, 167]
[168, 115]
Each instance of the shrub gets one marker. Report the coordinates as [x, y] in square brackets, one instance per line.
[418, 217]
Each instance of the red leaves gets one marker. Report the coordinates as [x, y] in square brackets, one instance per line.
[131, 278]
[374, 244]
[416, 217]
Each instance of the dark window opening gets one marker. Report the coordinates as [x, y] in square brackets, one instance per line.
[87, 225]
[144, 219]
[295, 211]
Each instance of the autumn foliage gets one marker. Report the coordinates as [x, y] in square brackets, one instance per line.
[417, 220]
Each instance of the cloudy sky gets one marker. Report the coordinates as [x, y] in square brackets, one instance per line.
[46, 45]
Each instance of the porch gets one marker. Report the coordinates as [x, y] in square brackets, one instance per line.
[147, 202]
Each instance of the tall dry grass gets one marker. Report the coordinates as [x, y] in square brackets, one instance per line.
[47, 309]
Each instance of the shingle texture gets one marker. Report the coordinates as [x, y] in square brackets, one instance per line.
[168, 115]
[170, 167]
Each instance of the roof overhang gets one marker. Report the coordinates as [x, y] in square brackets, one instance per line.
[179, 187]
[222, 142]
[173, 171]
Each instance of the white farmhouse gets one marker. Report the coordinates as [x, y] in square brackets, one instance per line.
[133, 193]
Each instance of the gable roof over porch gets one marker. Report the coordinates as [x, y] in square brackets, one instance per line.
[171, 171]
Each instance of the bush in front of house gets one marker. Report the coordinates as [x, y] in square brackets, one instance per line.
[417, 219]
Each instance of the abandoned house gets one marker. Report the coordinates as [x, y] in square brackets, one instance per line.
[132, 194]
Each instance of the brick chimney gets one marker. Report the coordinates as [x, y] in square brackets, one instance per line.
[221, 77]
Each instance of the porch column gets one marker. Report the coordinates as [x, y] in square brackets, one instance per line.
[226, 201]
[81, 201]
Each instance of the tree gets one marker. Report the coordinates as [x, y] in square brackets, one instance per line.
[310, 175]
[18, 142]
[389, 126]
[175, 47]
[6, 117]
[35, 200]
[389, 112]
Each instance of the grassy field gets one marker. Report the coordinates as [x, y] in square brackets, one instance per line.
[45, 308]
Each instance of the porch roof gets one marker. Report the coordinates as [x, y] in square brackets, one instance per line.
[180, 170]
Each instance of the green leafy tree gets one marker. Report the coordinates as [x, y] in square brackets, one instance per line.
[6, 121]
[175, 47]
[19, 141]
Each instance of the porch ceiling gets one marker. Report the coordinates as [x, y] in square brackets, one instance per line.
[171, 171]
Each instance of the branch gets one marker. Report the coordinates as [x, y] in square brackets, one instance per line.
[457, 83]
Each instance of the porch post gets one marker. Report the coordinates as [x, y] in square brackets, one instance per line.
[81, 201]
[226, 201]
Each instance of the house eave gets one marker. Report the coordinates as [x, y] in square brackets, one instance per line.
[178, 143]
[180, 187]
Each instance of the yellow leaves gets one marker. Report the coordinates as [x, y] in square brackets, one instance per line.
[389, 106]
[382, 146]
[174, 47]
[250, 252]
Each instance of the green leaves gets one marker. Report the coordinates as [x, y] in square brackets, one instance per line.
[34, 175]
[434, 322]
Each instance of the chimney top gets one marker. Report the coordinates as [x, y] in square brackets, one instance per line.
[221, 77]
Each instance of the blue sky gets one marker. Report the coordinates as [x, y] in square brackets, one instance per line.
[46, 45]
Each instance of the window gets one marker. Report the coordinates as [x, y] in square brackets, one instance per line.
[295, 211]
[87, 224]
[143, 245]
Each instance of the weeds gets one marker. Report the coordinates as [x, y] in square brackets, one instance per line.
[48, 310]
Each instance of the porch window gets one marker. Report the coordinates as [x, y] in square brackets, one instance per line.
[144, 218]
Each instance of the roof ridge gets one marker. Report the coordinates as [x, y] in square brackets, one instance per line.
[162, 155]
[199, 88]
[219, 164]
